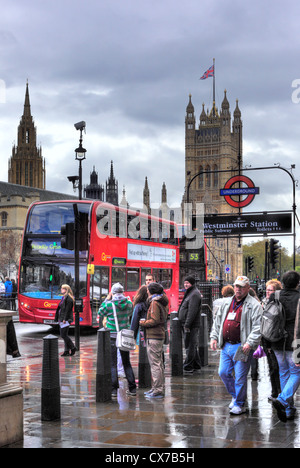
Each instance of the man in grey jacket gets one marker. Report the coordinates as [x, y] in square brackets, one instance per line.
[237, 327]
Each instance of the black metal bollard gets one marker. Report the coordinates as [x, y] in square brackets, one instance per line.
[103, 377]
[144, 367]
[50, 380]
[176, 345]
[203, 340]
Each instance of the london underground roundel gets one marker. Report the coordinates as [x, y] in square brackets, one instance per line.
[229, 191]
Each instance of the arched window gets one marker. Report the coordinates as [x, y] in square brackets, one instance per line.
[216, 176]
[200, 177]
[4, 219]
[208, 176]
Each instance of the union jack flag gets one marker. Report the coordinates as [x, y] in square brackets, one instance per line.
[210, 72]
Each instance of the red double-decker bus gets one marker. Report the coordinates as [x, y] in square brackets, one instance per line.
[116, 245]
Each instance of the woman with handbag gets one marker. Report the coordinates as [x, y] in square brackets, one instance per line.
[118, 309]
[64, 316]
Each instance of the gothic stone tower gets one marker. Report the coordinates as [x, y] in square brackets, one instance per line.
[215, 145]
[112, 195]
[26, 165]
[94, 190]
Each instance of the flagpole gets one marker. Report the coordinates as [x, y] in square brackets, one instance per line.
[214, 85]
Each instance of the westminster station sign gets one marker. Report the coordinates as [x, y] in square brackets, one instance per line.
[248, 224]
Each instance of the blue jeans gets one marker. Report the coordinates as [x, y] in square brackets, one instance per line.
[236, 386]
[289, 375]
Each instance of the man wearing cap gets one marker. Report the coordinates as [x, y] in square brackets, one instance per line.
[237, 324]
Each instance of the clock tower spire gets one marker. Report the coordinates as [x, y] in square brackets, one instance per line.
[27, 165]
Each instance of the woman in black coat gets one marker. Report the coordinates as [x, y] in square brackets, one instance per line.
[64, 316]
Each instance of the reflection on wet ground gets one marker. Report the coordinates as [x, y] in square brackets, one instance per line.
[193, 414]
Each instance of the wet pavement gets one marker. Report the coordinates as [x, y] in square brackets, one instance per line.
[193, 414]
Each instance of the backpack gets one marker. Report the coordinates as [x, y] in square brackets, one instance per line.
[273, 321]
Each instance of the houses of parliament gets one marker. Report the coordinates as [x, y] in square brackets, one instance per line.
[211, 145]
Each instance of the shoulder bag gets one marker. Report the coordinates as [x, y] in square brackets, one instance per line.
[125, 338]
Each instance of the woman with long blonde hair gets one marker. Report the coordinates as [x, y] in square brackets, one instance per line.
[64, 316]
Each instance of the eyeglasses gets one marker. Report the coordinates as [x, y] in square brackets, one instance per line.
[270, 290]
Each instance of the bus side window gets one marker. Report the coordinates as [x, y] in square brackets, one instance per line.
[163, 276]
[165, 233]
[103, 221]
[133, 279]
[154, 230]
[118, 275]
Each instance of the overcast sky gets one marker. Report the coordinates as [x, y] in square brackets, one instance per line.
[127, 68]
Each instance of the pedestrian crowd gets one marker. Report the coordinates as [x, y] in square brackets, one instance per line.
[244, 329]
[237, 331]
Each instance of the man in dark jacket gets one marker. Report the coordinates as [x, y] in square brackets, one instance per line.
[289, 371]
[189, 315]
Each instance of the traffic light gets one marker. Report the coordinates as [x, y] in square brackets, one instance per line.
[83, 232]
[274, 254]
[68, 236]
[250, 263]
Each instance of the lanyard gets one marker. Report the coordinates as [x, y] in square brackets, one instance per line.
[237, 305]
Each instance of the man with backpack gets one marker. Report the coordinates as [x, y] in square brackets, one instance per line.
[289, 371]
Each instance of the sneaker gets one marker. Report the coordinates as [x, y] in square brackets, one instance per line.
[232, 403]
[188, 371]
[155, 396]
[237, 410]
[290, 414]
[280, 410]
[148, 392]
[131, 392]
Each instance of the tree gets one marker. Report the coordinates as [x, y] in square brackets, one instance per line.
[257, 251]
[9, 253]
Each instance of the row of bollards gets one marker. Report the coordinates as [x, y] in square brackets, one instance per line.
[51, 379]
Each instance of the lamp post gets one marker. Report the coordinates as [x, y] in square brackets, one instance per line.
[79, 156]
[80, 153]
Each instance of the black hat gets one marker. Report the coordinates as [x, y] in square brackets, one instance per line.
[191, 280]
[155, 288]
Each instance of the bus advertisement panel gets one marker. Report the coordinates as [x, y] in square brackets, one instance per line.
[119, 246]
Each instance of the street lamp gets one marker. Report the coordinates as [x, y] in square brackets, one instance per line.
[80, 153]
